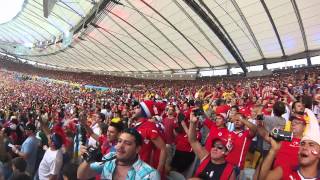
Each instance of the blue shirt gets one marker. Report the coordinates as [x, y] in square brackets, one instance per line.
[30, 147]
[139, 170]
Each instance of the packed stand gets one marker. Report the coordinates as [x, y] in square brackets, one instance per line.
[235, 128]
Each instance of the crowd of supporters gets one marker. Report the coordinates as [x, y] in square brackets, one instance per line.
[210, 128]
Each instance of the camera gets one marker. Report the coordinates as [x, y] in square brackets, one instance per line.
[93, 154]
[280, 135]
[198, 112]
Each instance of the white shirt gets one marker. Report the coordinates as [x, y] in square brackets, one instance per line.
[51, 164]
[96, 130]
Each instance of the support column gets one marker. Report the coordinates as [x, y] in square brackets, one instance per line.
[309, 61]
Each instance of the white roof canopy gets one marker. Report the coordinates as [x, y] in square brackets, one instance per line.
[164, 35]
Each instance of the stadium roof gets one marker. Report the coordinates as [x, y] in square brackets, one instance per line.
[163, 35]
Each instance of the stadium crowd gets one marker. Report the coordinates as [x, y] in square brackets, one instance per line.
[210, 128]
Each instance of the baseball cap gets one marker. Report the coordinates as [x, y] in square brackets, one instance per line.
[226, 142]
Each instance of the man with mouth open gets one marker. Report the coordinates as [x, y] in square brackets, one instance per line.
[308, 157]
[123, 164]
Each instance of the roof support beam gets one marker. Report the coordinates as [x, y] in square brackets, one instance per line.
[104, 48]
[198, 10]
[121, 67]
[137, 41]
[219, 25]
[144, 35]
[134, 67]
[136, 60]
[201, 31]
[273, 26]
[163, 35]
[95, 55]
[178, 31]
[296, 10]
[256, 44]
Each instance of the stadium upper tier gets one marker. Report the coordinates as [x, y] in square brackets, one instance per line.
[163, 35]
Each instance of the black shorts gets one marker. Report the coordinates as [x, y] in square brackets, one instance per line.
[182, 160]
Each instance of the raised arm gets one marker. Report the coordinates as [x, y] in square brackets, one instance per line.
[266, 172]
[200, 151]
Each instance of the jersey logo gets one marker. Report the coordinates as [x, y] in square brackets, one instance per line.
[146, 141]
[220, 134]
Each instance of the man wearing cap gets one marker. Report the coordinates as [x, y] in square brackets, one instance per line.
[51, 162]
[29, 149]
[308, 157]
[212, 163]
[125, 163]
[288, 151]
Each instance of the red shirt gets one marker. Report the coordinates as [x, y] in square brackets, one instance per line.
[291, 174]
[148, 131]
[182, 143]
[215, 132]
[168, 124]
[288, 154]
[241, 143]
[106, 146]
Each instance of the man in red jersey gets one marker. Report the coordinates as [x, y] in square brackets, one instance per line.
[218, 129]
[287, 154]
[308, 157]
[241, 138]
[150, 134]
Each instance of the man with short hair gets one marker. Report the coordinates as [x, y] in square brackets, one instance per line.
[51, 163]
[29, 149]
[308, 157]
[19, 166]
[123, 164]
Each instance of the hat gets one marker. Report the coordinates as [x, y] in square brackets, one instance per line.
[226, 142]
[222, 109]
[147, 108]
[313, 131]
[222, 115]
[31, 127]
[298, 117]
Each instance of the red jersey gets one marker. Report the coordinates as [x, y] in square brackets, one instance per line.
[288, 154]
[148, 131]
[241, 143]
[292, 174]
[182, 143]
[168, 124]
[106, 146]
[215, 132]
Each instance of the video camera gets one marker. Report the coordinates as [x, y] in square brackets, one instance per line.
[93, 154]
[281, 135]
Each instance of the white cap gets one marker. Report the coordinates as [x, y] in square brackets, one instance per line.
[313, 133]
